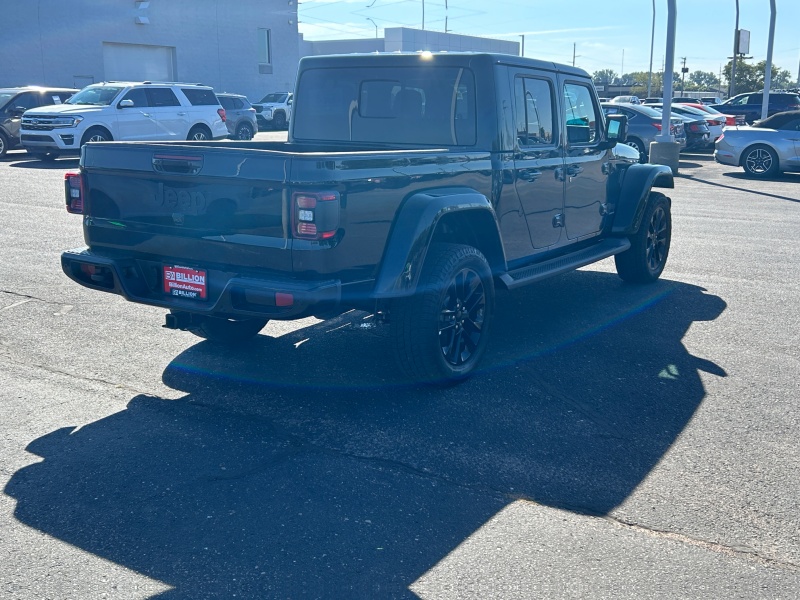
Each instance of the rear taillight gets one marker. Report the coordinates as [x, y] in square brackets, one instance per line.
[73, 190]
[719, 139]
[221, 113]
[656, 125]
[316, 215]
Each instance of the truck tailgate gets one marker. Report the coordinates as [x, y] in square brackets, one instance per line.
[192, 204]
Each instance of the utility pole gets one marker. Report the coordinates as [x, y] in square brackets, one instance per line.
[732, 88]
[574, 56]
[652, 37]
[523, 45]
[684, 70]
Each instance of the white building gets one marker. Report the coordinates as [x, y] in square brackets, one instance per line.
[404, 39]
[244, 46]
[250, 47]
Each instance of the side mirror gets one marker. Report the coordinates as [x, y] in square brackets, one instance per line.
[616, 129]
[290, 101]
[127, 103]
[16, 111]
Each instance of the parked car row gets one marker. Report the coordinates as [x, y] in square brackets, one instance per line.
[50, 122]
[15, 101]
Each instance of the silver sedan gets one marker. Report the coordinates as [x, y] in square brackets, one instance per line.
[764, 149]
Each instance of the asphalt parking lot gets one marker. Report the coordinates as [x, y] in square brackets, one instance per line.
[620, 441]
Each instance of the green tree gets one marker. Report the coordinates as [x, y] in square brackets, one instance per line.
[605, 77]
[750, 78]
[703, 80]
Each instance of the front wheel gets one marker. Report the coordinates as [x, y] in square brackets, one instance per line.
[441, 332]
[760, 161]
[644, 261]
[279, 121]
[228, 331]
[96, 134]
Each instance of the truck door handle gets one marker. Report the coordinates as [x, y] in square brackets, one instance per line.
[181, 114]
[529, 174]
[574, 170]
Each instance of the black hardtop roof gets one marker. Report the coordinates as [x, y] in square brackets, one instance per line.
[445, 58]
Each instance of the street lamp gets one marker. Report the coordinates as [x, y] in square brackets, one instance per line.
[376, 27]
[652, 37]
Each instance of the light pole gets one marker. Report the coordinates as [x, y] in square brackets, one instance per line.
[376, 27]
[768, 69]
[652, 37]
[732, 88]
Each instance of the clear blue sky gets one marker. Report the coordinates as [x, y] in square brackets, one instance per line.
[606, 34]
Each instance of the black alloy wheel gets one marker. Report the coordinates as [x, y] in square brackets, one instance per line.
[441, 332]
[645, 260]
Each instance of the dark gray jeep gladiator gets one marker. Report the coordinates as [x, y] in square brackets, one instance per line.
[411, 186]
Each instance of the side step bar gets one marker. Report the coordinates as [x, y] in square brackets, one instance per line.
[562, 264]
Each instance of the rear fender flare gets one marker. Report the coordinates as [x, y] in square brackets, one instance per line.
[636, 185]
[415, 227]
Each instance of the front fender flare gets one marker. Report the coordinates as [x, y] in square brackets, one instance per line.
[636, 185]
[413, 231]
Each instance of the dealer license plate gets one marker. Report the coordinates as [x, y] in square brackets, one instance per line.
[184, 282]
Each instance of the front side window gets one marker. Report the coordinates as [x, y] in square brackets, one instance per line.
[138, 96]
[534, 111]
[582, 118]
[25, 100]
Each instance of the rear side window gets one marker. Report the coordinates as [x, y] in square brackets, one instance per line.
[226, 102]
[162, 97]
[424, 105]
[534, 111]
[200, 96]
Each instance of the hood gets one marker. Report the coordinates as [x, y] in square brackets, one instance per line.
[64, 109]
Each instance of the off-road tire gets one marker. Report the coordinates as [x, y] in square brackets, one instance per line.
[644, 261]
[441, 332]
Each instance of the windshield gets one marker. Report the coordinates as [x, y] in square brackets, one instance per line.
[274, 98]
[96, 96]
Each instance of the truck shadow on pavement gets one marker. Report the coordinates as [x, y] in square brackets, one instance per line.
[303, 466]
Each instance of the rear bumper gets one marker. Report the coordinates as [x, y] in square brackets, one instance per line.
[229, 294]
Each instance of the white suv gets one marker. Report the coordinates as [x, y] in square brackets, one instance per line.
[123, 111]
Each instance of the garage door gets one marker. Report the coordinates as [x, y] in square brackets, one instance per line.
[136, 62]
